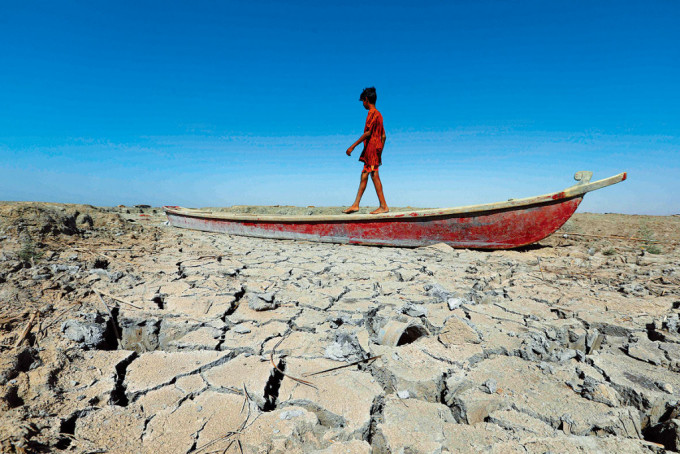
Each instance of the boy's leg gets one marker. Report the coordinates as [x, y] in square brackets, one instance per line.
[379, 191]
[360, 193]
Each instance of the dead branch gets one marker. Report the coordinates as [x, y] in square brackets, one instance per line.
[120, 250]
[342, 367]
[217, 257]
[5, 320]
[101, 292]
[299, 380]
[26, 330]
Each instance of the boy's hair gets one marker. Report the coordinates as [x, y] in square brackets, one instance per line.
[369, 95]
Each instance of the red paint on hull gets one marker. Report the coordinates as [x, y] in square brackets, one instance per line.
[501, 229]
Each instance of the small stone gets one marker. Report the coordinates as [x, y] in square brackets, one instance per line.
[438, 292]
[90, 333]
[455, 303]
[262, 301]
[404, 394]
[491, 386]
[575, 385]
[667, 388]
[566, 355]
[546, 368]
[599, 392]
[345, 348]
[290, 414]
[241, 329]
[414, 310]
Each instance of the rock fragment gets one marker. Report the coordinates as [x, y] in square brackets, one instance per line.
[90, 333]
[262, 301]
[346, 347]
[414, 310]
[490, 386]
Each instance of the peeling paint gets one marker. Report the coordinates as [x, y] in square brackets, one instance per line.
[501, 229]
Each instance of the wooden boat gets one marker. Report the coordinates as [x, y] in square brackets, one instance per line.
[500, 225]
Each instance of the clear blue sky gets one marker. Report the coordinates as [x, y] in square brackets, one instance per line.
[218, 103]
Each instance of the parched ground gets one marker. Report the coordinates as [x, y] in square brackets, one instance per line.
[119, 334]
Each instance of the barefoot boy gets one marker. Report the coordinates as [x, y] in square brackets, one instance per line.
[374, 141]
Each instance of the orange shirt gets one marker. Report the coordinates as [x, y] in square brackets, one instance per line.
[373, 146]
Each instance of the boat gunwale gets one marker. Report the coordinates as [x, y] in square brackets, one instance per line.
[571, 192]
[372, 218]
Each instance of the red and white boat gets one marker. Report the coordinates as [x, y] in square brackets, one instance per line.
[500, 225]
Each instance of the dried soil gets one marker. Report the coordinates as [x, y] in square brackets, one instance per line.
[147, 338]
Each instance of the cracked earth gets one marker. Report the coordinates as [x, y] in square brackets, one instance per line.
[146, 338]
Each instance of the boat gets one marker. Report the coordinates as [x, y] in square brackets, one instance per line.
[500, 225]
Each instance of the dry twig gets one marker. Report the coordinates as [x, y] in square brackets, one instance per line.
[299, 380]
[538, 259]
[5, 320]
[26, 330]
[233, 433]
[341, 367]
[101, 292]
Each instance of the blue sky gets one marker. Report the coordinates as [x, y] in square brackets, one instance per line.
[220, 103]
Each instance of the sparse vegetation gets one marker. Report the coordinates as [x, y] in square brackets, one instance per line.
[29, 253]
[649, 244]
[653, 249]
[609, 251]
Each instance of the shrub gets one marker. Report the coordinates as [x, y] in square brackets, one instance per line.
[653, 249]
[28, 252]
[649, 243]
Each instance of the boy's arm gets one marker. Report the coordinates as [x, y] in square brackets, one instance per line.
[363, 137]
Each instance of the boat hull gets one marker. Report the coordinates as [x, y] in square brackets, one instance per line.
[494, 229]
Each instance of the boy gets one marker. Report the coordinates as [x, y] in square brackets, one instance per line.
[374, 141]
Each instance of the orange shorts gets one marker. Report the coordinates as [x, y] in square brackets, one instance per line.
[369, 169]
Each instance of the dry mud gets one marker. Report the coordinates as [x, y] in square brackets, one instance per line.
[145, 338]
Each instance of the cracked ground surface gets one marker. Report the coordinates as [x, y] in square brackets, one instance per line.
[148, 338]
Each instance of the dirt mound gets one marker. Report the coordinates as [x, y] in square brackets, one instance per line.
[41, 220]
[34, 220]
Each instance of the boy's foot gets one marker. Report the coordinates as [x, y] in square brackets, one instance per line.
[380, 210]
[350, 210]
